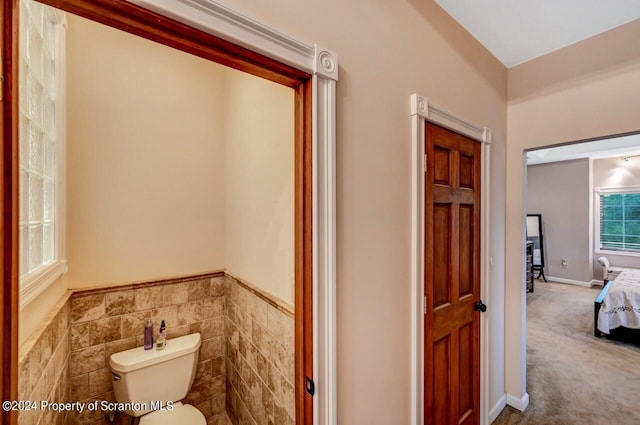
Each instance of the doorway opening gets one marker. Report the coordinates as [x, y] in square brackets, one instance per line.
[312, 173]
[564, 183]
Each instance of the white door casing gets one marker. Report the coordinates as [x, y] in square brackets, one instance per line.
[220, 20]
[421, 111]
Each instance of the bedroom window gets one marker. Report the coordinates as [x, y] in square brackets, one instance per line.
[619, 227]
[41, 142]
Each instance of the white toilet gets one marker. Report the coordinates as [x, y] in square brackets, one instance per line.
[142, 378]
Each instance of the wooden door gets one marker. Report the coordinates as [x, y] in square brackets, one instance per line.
[452, 278]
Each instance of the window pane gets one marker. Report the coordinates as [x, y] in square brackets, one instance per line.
[23, 197]
[49, 159]
[35, 198]
[38, 89]
[35, 247]
[34, 47]
[23, 139]
[24, 251]
[34, 98]
[48, 243]
[47, 115]
[36, 161]
[48, 202]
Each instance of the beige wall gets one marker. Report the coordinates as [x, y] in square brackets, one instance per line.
[259, 186]
[561, 192]
[586, 90]
[146, 169]
[612, 172]
[145, 185]
[395, 50]
[388, 50]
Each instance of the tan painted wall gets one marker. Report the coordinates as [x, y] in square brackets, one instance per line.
[561, 192]
[388, 50]
[145, 182]
[137, 210]
[586, 90]
[259, 183]
[394, 50]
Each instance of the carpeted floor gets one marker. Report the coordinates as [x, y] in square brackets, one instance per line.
[573, 377]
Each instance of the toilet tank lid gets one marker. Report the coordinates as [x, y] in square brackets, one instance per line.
[136, 358]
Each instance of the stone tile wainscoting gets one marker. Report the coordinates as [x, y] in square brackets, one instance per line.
[43, 368]
[245, 363]
[106, 321]
[260, 357]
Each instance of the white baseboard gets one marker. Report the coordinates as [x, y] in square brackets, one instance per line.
[495, 411]
[596, 282]
[518, 403]
[570, 281]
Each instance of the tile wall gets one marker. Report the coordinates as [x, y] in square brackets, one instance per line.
[107, 321]
[260, 357]
[43, 369]
[246, 360]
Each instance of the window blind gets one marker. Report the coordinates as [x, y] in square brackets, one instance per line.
[620, 222]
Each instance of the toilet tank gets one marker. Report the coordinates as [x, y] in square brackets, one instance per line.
[145, 376]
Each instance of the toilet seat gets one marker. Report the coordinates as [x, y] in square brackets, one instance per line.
[184, 414]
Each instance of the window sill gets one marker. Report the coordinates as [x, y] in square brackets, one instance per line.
[40, 280]
[620, 253]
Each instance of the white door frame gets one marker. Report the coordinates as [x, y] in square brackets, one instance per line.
[230, 25]
[421, 112]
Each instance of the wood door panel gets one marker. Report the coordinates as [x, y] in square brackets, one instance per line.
[465, 367]
[466, 171]
[442, 250]
[449, 194]
[452, 278]
[452, 316]
[466, 248]
[441, 162]
[441, 381]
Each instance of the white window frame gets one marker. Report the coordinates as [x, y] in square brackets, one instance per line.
[34, 283]
[610, 191]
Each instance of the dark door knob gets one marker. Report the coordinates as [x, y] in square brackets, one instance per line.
[479, 305]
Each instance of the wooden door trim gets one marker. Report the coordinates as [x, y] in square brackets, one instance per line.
[8, 228]
[421, 111]
[307, 68]
[304, 254]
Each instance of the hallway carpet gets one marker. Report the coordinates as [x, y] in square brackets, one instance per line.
[572, 376]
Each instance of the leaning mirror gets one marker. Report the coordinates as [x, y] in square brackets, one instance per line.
[535, 235]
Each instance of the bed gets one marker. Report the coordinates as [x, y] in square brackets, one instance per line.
[618, 304]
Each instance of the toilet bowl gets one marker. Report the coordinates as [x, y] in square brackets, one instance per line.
[151, 383]
[180, 414]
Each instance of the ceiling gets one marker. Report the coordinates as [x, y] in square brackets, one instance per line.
[518, 31]
[605, 148]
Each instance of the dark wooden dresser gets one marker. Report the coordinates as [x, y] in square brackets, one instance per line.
[529, 266]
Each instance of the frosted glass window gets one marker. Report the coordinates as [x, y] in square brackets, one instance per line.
[39, 130]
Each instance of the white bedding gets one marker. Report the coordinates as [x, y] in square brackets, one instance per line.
[621, 306]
